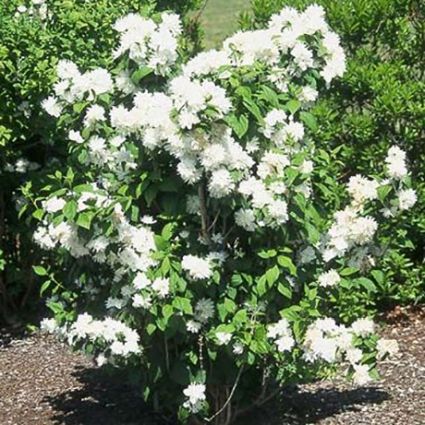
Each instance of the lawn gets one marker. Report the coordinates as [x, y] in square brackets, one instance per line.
[220, 19]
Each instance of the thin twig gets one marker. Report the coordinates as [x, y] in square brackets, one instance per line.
[214, 221]
[238, 377]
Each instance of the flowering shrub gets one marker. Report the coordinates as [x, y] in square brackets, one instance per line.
[195, 248]
[378, 101]
[34, 34]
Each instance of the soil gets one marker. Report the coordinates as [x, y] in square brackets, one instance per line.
[43, 383]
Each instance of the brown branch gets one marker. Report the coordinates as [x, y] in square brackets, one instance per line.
[204, 213]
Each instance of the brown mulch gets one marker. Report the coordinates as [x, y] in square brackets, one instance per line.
[43, 383]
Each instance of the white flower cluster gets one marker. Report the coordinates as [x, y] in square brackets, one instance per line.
[329, 278]
[147, 43]
[197, 268]
[21, 166]
[281, 334]
[362, 189]
[170, 120]
[130, 249]
[281, 46]
[37, 9]
[327, 341]
[116, 338]
[48, 236]
[349, 230]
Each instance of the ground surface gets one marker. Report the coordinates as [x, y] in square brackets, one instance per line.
[43, 383]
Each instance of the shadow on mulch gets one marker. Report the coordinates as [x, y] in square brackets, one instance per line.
[296, 407]
[101, 400]
[10, 334]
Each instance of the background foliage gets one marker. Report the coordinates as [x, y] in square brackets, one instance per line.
[378, 102]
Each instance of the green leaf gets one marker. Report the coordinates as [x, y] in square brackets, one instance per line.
[167, 231]
[40, 270]
[38, 214]
[239, 125]
[379, 276]
[348, 271]
[292, 106]
[167, 311]
[255, 110]
[84, 220]
[269, 253]
[309, 120]
[45, 286]
[366, 283]
[285, 290]
[183, 304]
[150, 329]
[270, 96]
[261, 285]
[70, 209]
[229, 305]
[291, 313]
[383, 192]
[140, 74]
[288, 264]
[272, 275]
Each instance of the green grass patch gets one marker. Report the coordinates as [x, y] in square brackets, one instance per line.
[220, 19]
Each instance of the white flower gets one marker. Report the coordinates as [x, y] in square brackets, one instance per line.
[49, 325]
[362, 189]
[278, 211]
[113, 302]
[245, 218]
[363, 327]
[306, 167]
[308, 94]
[354, 355]
[361, 374]
[223, 338]
[67, 70]
[75, 136]
[195, 394]
[204, 310]
[281, 333]
[237, 348]
[295, 130]
[307, 255]
[161, 286]
[329, 278]
[197, 267]
[193, 327]
[141, 301]
[406, 199]
[101, 360]
[99, 81]
[396, 163]
[54, 204]
[220, 184]
[94, 114]
[52, 107]
[302, 55]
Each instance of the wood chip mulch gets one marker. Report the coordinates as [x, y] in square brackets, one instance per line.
[43, 383]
